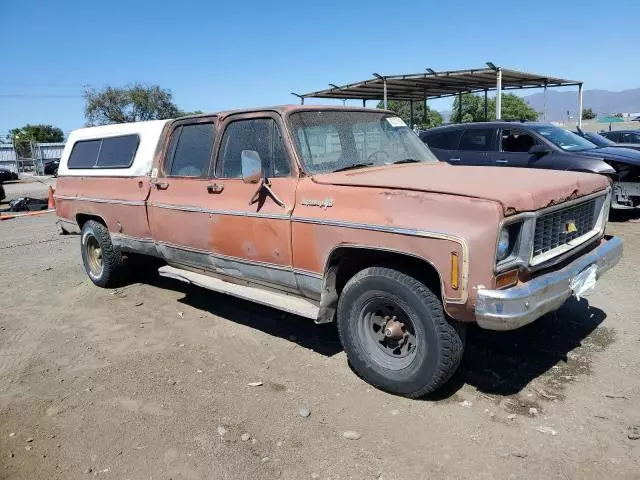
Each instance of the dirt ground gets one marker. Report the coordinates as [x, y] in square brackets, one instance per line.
[150, 381]
[27, 186]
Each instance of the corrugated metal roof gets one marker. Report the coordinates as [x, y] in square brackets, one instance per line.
[431, 84]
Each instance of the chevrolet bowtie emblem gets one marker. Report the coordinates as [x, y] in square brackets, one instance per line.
[570, 227]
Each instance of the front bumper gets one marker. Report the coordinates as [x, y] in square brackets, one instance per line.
[514, 307]
[626, 195]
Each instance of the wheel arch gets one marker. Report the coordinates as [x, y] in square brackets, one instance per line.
[345, 260]
[82, 218]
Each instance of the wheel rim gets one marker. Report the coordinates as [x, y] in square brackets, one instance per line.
[387, 333]
[94, 255]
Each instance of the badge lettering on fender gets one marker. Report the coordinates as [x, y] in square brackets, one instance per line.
[326, 203]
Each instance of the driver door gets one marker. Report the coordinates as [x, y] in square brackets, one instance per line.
[514, 149]
[252, 239]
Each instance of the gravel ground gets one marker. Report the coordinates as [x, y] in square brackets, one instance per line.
[151, 381]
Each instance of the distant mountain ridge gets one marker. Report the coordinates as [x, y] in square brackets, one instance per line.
[602, 102]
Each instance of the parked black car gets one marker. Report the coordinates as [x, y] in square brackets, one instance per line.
[630, 138]
[51, 167]
[537, 145]
[6, 175]
[602, 141]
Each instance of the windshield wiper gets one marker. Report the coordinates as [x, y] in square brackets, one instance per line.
[406, 160]
[353, 166]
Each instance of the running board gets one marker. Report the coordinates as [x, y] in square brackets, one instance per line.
[281, 301]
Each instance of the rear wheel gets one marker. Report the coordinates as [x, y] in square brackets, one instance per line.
[102, 261]
[395, 333]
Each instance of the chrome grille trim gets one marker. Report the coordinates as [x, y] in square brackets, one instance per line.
[553, 229]
[523, 254]
[589, 216]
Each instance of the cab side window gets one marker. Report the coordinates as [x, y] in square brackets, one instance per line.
[261, 135]
[189, 150]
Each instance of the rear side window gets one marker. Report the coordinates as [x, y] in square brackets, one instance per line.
[110, 152]
[84, 154]
[190, 150]
[629, 137]
[476, 139]
[443, 140]
[117, 152]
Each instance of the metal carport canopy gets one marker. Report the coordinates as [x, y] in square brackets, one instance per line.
[432, 84]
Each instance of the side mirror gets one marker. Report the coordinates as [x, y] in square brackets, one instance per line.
[538, 150]
[251, 166]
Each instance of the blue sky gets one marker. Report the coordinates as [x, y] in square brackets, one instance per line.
[223, 54]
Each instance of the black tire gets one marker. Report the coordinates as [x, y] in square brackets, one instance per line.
[439, 342]
[109, 270]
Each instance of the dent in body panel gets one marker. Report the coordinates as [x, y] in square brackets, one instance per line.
[126, 243]
[240, 268]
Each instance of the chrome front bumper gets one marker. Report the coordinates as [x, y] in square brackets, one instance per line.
[514, 307]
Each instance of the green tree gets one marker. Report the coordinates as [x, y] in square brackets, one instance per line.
[618, 115]
[22, 137]
[188, 114]
[403, 110]
[470, 108]
[588, 114]
[516, 108]
[132, 103]
[513, 108]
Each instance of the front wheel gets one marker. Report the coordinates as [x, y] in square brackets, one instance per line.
[395, 333]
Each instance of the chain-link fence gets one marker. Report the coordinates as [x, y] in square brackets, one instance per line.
[37, 158]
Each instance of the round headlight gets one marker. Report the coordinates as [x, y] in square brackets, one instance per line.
[503, 245]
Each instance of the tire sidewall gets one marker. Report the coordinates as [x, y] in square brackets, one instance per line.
[425, 363]
[88, 231]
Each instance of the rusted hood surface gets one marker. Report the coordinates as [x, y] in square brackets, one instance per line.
[517, 189]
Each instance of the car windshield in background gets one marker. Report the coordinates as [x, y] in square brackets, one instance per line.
[328, 141]
[564, 139]
[599, 140]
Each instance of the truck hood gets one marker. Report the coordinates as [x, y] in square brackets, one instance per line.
[516, 189]
[618, 154]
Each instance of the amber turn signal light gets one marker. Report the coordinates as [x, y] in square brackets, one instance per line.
[454, 271]
[507, 279]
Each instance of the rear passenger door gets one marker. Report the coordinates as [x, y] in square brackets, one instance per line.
[181, 196]
[475, 145]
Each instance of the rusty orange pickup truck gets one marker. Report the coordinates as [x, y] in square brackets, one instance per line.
[338, 214]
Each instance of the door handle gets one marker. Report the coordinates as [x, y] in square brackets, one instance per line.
[454, 159]
[502, 161]
[160, 185]
[215, 188]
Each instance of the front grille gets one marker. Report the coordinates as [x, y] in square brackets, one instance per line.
[554, 229]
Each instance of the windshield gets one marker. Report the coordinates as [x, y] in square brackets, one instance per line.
[337, 140]
[564, 139]
[599, 140]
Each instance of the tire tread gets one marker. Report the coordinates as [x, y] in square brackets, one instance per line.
[450, 332]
